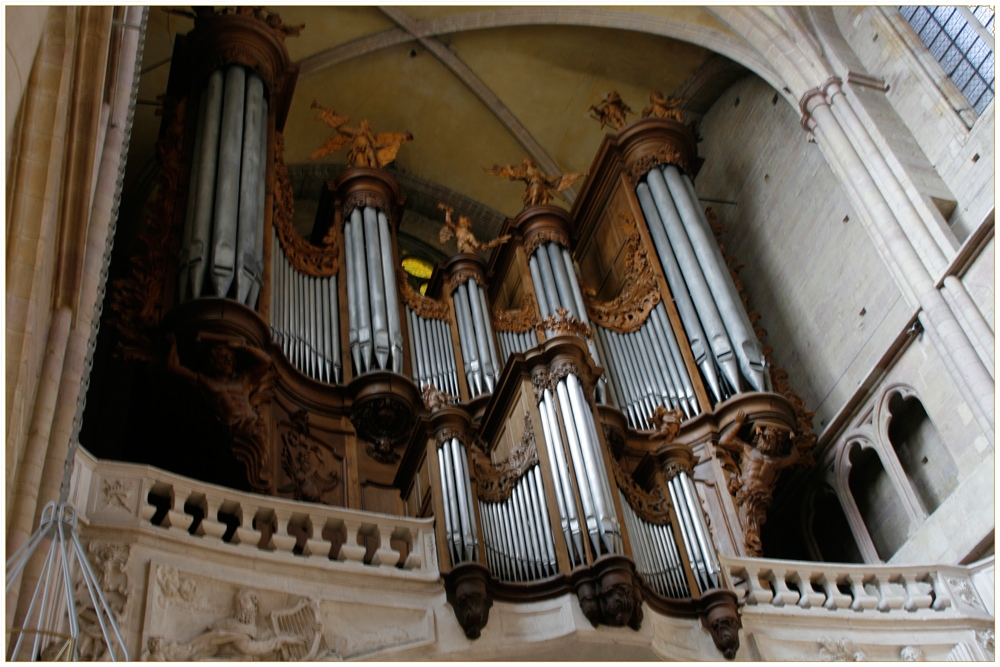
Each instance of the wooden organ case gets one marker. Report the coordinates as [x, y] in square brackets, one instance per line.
[553, 408]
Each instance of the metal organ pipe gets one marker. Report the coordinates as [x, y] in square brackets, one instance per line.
[248, 264]
[184, 263]
[227, 185]
[261, 206]
[205, 194]
[685, 307]
[741, 334]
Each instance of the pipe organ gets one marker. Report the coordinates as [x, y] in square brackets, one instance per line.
[545, 406]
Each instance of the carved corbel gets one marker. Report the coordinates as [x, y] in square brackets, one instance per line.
[721, 618]
[608, 592]
[467, 590]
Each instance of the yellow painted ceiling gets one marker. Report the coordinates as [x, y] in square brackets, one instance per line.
[546, 76]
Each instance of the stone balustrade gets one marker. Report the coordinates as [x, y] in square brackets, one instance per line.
[113, 494]
[793, 586]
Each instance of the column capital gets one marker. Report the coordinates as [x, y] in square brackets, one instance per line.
[809, 101]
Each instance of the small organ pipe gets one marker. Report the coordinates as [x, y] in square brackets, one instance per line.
[471, 291]
[622, 376]
[353, 316]
[227, 185]
[564, 487]
[699, 521]
[415, 362]
[258, 279]
[335, 329]
[248, 217]
[602, 488]
[310, 324]
[423, 351]
[324, 296]
[465, 320]
[603, 360]
[490, 338]
[361, 292]
[536, 281]
[678, 376]
[685, 307]
[391, 300]
[658, 360]
[548, 279]
[563, 289]
[201, 237]
[459, 493]
[690, 540]
[583, 483]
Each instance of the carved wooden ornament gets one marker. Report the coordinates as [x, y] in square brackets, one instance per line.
[307, 259]
[564, 323]
[539, 184]
[368, 149]
[424, 306]
[496, 481]
[651, 507]
[517, 321]
[639, 293]
[666, 154]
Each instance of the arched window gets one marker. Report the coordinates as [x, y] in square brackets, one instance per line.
[922, 454]
[827, 529]
[877, 501]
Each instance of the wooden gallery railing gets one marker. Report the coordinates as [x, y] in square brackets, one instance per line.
[532, 503]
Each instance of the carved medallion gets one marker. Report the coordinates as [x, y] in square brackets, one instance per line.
[639, 292]
[517, 321]
[497, 480]
[310, 260]
[383, 423]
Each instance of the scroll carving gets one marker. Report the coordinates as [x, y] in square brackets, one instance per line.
[517, 321]
[804, 438]
[310, 260]
[564, 323]
[461, 276]
[651, 507]
[666, 154]
[544, 236]
[424, 306]
[540, 381]
[496, 481]
[639, 293]
[137, 300]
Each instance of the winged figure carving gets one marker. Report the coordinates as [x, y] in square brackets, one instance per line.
[462, 231]
[664, 107]
[367, 148]
[611, 111]
[539, 183]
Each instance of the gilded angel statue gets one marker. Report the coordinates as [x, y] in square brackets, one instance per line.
[611, 110]
[462, 231]
[664, 107]
[367, 149]
[539, 183]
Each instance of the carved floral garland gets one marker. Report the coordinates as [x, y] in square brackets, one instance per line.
[517, 321]
[138, 300]
[496, 481]
[317, 261]
[639, 293]
[651, 507]
[424, 306]
[544, 236]
[665, 155]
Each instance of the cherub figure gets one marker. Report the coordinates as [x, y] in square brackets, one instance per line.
[462, 231]
[435, 399]
[233, 372]
[539, 183]
[611, 110]
[666, 424]
[664, 107]
[367, 149]
[760, 464]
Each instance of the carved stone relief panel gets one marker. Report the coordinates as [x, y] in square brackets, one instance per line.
[193, 617]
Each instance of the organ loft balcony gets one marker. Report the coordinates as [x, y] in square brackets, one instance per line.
[559, 438]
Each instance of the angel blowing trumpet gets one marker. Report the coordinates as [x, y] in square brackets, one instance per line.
[367, 149]
[539, 183]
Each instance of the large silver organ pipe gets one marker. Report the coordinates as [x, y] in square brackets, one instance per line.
[431, 358]
[459, 512]
[375, 333]
[655, 553]
[565, 492]
[222, 245]
[305, 318]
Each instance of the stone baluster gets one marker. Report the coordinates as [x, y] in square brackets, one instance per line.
[757, 593]
[862, 599]
[889, 593]
[210, 525]
[177, 519]
[247, 536]
[284, 541]
[316, 545]
[385, 555]
[782, 593]
[915, 598]
[834, 598]
[414, 558]
[942, 594]
[808, 596]
[352, 551]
